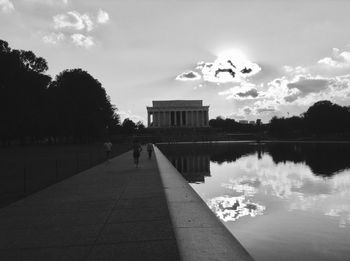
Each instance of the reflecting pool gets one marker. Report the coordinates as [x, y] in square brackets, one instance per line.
[282, 201]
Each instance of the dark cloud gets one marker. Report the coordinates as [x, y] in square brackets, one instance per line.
[246, 70]
[251, 93]
[247, 110]
[292, 97]
[262, 110]
[188, 76]
[306, 86]
[230, 71]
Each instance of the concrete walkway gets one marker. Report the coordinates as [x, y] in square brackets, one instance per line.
[110, 212]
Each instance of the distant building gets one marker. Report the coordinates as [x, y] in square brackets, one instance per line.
[178, 113]
[252, 122]
[258, 122]
[243, 122]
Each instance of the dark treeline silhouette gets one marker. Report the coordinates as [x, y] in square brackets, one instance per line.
[73, 107]
[321, 119]
[230, 125]
[324, 159]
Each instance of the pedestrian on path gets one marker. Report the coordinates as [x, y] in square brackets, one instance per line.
[136, 152]
[149, 150]
[108, 148]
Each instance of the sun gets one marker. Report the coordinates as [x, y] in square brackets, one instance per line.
[236, 56]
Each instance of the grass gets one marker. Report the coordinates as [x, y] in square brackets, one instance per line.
[24, 170]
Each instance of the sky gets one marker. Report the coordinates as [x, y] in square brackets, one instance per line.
[246, 59]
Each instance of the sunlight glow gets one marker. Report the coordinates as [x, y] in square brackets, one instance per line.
[234, 55]
[231, 65]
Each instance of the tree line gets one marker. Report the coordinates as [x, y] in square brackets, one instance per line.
[322, 119]
[230, 125]
[72, 107]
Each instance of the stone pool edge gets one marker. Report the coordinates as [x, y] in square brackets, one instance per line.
[199, 233]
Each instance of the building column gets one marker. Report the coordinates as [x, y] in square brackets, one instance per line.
[206, 118]
[169, 118]
[155, 119]
[158, 119]
[193, 118]
[166, 124]
[180, 118]
[162, 119]
[175, 118]
[187, 118]
[165, 119]
[203, 118]
[148, 118]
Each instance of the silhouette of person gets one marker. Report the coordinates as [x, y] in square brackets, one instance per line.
[108, 148]
[149, 150]
[136, 152]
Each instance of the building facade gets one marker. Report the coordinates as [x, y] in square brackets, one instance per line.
[178, 113]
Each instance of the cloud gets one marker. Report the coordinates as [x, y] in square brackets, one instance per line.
[75, 23]
[228, 67]
[232, 208]
[247, 110]
[48, 2]
[102, 17]
[188, 76]
[250, 93]
[73, 20]
[82, 40]
[129, 114]
[292, 97]
[241, 92]
[295, 70]
[263, 110]
[6, 6]
[53, 38]
[294, 183]
[339, 59]
[306, 86]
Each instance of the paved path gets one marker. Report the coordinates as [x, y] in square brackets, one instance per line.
[110, 212]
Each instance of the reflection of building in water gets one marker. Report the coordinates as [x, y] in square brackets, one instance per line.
[192, 167]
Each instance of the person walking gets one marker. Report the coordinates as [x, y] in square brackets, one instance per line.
[136, 152]
[108, 148]
[149, 150]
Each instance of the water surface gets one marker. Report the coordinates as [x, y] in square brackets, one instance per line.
[283, 201]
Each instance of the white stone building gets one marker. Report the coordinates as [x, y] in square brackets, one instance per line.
[178, 113]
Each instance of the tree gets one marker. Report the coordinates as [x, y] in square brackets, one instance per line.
[80, 106]
[326, 117]
[23, 84]
[128, 126]
[140, 126]
[323, 117]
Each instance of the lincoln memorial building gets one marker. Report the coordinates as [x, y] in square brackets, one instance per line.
[178, 113]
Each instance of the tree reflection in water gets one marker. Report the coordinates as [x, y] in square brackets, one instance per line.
[310, 176]
[290, 198]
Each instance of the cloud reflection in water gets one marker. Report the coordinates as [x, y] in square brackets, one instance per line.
[292, 184]
[232, 208]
